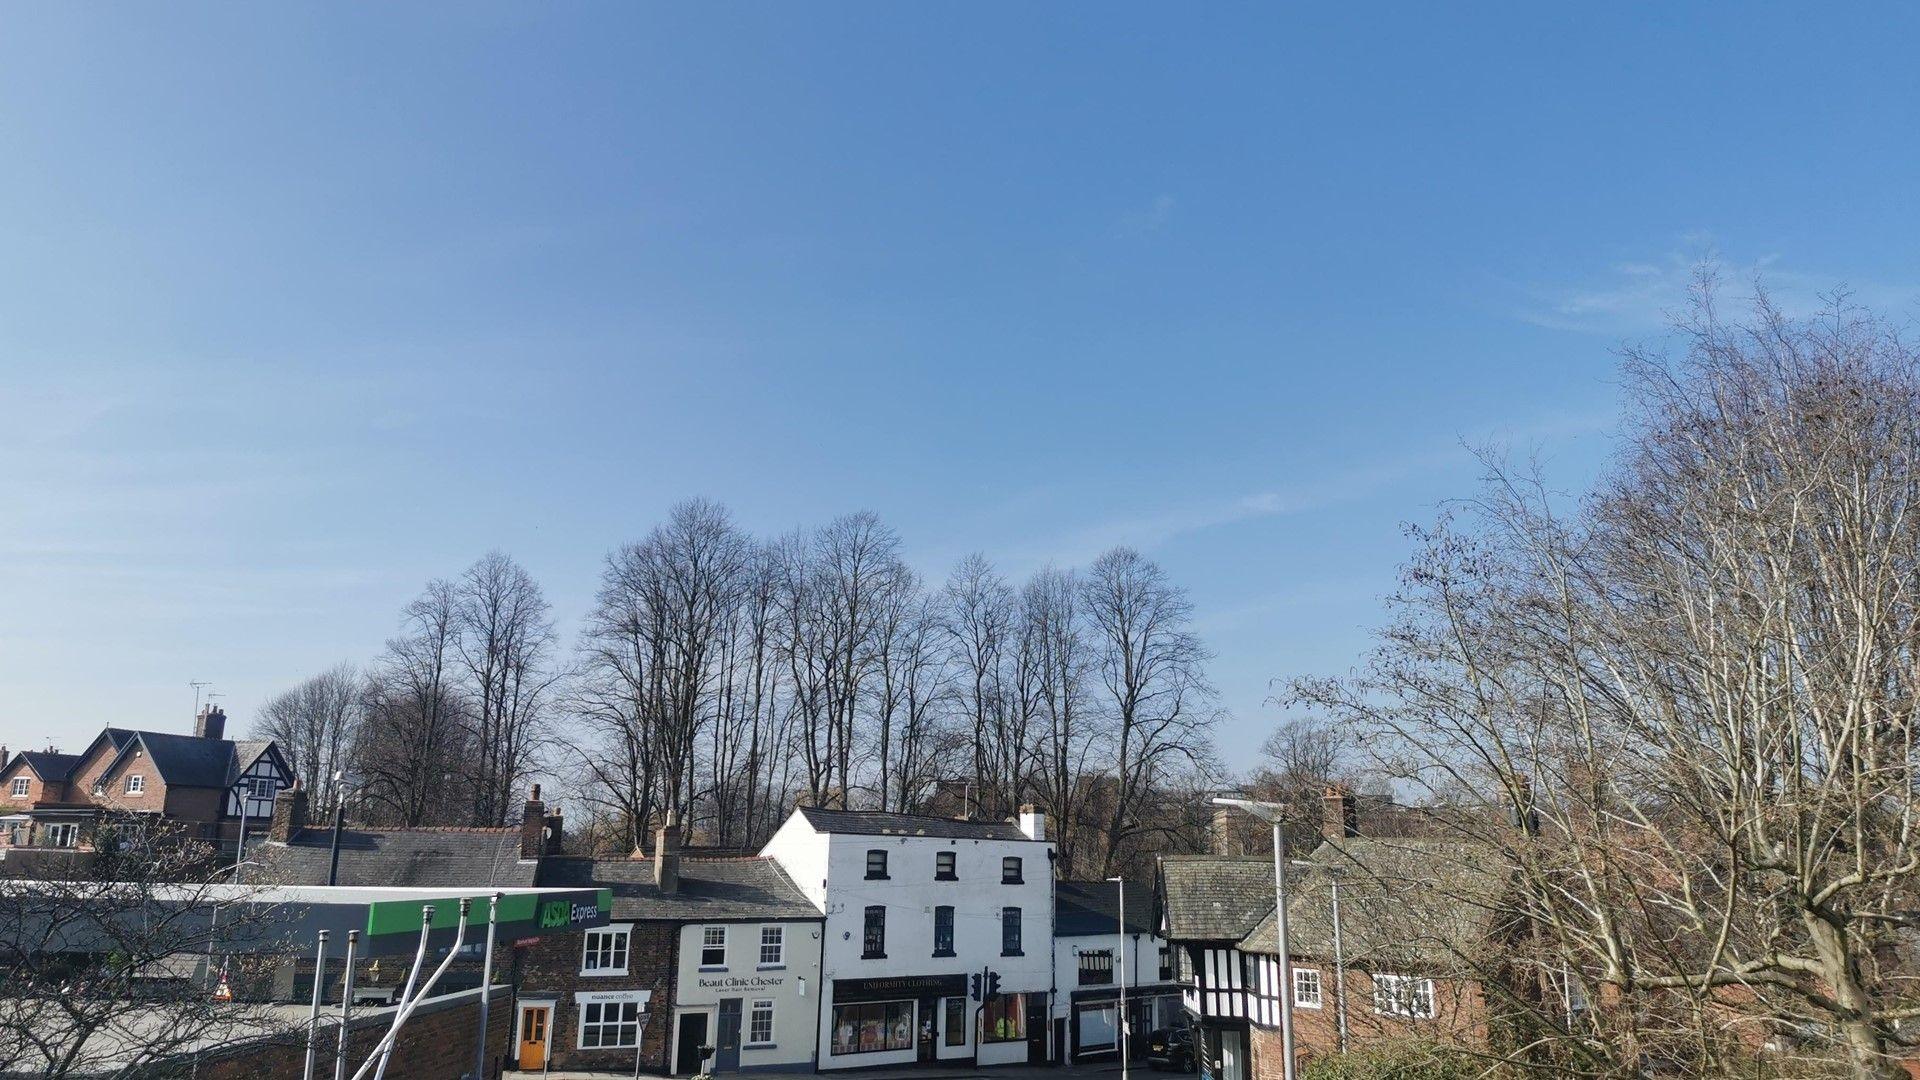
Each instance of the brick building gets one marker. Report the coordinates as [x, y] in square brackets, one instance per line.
[211, 787]
[1389, 937]
[702, 952]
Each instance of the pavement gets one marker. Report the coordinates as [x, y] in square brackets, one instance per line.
[1102, 1069]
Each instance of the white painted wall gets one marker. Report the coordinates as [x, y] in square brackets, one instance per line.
[909, 894]
[793, 986]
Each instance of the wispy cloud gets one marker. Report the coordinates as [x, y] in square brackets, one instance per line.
[1149, 218]
[1642, 295]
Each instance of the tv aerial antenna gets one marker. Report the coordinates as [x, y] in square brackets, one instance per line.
[198, 686]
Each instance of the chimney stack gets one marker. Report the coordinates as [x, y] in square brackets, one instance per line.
[289, 814]
[1033, 822]
[4, 758]
[666, 858]
[533, 820]
[211, 723]
[1339, 814]
[556, 832]
[1227, 832]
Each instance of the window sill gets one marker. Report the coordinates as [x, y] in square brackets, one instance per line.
[946, 877]
[760, 1046]
[943, 954]
[1013, 881]
[713, 967]
[770, 967]
[603, 973]
[878, 877]
[873, 956]
[1306, 1005]
[1015, 952]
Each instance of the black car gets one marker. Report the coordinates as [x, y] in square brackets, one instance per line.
[1171, 1048]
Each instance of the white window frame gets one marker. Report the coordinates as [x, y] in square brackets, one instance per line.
[778, 944]
[762, 1005]
[1402, 996]
[619, 1008]
[136, 784]
[590, 949]
[21, 785]
[266, 787]
[707, 942]
[1307, 996]
[65, 830]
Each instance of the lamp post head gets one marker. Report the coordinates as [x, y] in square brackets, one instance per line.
[1271, 812]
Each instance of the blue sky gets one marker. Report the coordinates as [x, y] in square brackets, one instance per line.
[301, 305]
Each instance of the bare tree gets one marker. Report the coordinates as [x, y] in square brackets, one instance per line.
[1155, 697]
[410, 753]
[1054, 635]
[980, 628]
[505, 639]
[100, 958]
[1695, 691]
[315, 724]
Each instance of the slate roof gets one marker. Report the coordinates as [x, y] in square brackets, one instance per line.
[1084, 908]
[881, 823]
[245, 753]
[752, 887]
[188, 760]
[401, 858]
[1401, 900]
[50, 768]
[1214, 897]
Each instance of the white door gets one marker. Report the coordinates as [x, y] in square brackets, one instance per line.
[1233, 1055]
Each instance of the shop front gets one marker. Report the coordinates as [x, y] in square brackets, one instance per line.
[899, 1020]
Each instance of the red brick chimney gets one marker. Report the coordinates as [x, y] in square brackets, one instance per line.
[666, 858]
[289, 814]
[532, 824]
[211, 723]
[1339, 815]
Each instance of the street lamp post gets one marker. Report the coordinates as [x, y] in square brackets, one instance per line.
[1123, 1027]
[1272, 813]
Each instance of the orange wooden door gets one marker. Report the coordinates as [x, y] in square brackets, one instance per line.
[533, 1037]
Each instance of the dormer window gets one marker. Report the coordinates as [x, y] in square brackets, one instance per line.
[943, 867]
[136, 784]
[876, 865]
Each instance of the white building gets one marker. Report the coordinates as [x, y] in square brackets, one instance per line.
[916, 907]
[1092, 957]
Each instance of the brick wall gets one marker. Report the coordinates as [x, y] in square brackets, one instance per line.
[436, 1044]
[552, 966]
[1460, 1017]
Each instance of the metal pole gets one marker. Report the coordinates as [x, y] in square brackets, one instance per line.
[1280, 932]
[240, 844]
[385, 1049]
[486, 989]
[346, 1009]
[1124, 1026]
[1339, 966]
[313, 1018]
[333, 855]
[407, 1007]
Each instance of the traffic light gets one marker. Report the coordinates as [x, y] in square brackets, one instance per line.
[976, 986]
[993, 984]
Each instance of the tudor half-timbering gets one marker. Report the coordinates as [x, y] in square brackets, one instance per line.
[915, 908]
[210, 787]
[1208, 905]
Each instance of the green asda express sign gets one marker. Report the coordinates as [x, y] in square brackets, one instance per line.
[521, 915]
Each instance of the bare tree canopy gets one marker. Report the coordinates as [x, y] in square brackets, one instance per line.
[1694, 690]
